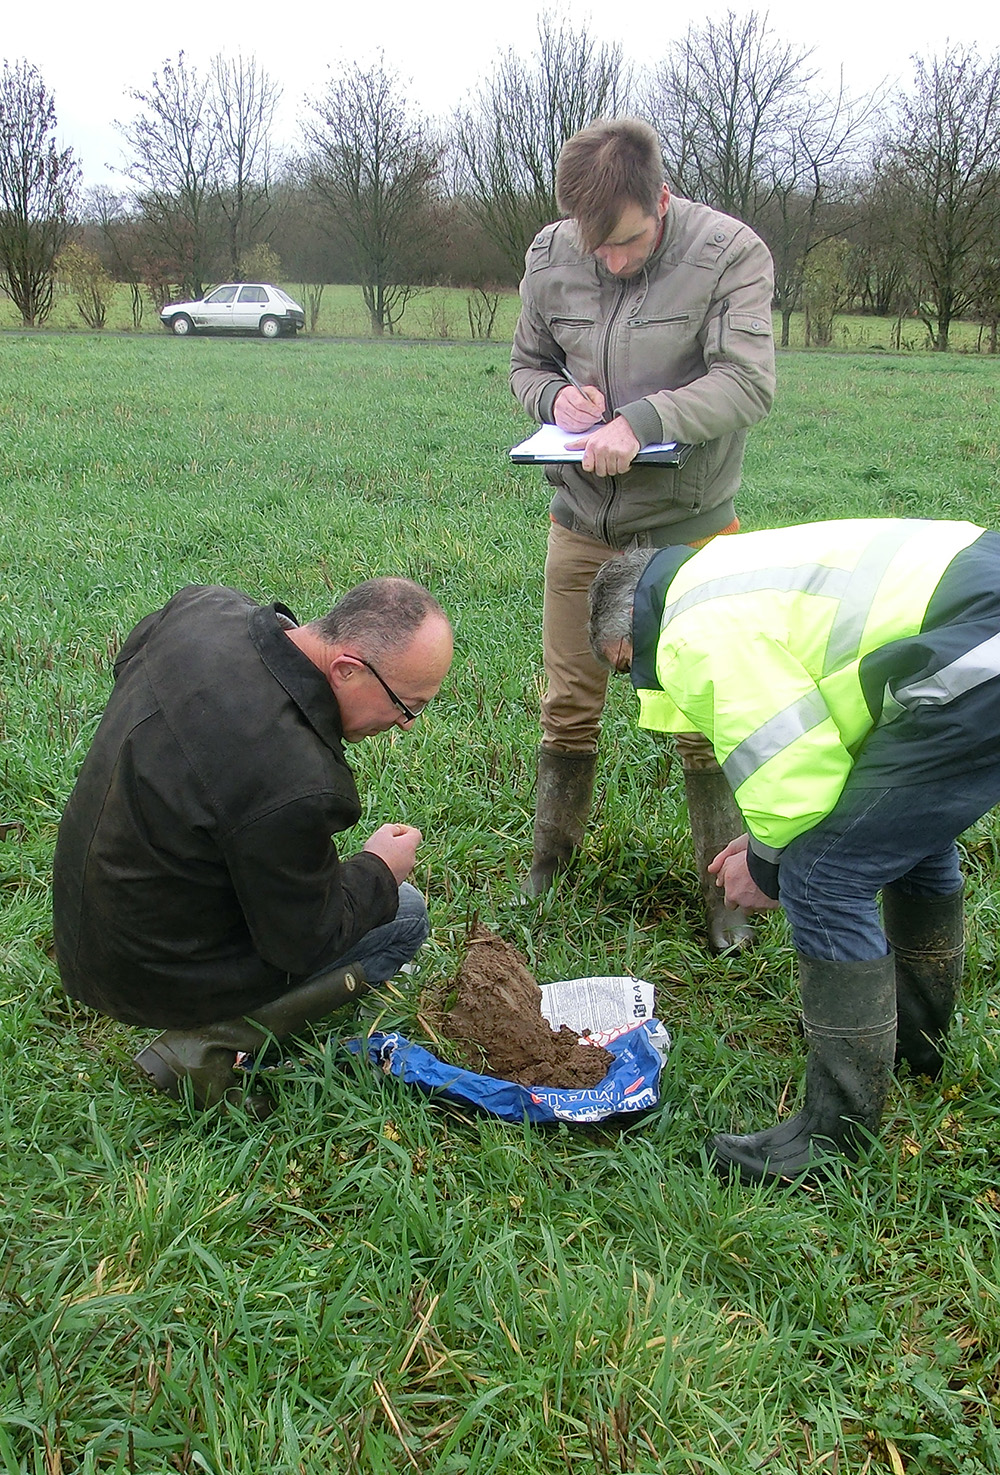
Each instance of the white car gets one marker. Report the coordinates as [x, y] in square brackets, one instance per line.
[238, 307]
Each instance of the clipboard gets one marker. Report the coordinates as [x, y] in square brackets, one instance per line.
[548, 446]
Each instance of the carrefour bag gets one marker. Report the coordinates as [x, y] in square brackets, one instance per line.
[639, 1047]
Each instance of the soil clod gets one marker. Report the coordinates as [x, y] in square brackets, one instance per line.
[496, 1018]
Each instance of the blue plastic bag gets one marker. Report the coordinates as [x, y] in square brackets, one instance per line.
[631, 1085]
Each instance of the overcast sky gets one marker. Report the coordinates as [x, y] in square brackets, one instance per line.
[90, 56]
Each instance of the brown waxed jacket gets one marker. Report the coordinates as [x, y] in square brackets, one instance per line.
[683, 350]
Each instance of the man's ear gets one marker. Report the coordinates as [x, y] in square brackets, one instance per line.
[340, 670]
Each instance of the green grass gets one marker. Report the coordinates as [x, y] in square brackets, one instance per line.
[367, 1282]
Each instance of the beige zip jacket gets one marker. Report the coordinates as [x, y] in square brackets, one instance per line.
[684, 351]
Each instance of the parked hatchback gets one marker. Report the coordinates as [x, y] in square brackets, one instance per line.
[237, 307]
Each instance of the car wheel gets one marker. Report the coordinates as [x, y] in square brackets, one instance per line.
[270, 328]
[181, 324]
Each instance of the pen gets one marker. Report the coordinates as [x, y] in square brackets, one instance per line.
[564, 371]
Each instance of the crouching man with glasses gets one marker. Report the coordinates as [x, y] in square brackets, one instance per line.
[197, 888]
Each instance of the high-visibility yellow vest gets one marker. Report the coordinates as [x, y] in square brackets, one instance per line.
[760, 643]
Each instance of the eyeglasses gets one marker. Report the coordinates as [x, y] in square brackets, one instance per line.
[409, 713]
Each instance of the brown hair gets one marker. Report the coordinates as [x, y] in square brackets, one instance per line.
[605, 168]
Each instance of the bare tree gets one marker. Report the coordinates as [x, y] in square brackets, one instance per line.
[242, 101]
[742, 129]
[507, 139]
[943, 157]
[38, 185]
[725, 103]
[174, 145]
[84, 273]
[812, 190]
[373, 163]
[987, 304]
[885, 275]
[121, 239]
[826, 288]
[300, 234]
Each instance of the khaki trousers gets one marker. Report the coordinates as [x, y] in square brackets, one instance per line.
[576, 684]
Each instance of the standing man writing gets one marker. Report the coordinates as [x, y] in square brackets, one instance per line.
[644, 318]
[848, 676]
[197, 888]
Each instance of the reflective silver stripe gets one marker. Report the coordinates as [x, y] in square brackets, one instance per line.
[773, 736]
[765, 852]
[859, 596]
[804, 578]
[970, 670]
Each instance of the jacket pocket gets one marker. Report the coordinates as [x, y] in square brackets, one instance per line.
[749, 322]
[577, 337]
[665, 320]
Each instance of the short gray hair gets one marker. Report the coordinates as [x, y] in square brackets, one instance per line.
[612, 595]
[380, 616]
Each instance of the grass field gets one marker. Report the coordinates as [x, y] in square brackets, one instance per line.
[442, 313]
[369, 1283]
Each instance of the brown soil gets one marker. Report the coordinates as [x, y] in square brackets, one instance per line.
[496, 1017]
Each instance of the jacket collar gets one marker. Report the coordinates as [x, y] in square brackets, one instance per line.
[302, 680]
[647, 612]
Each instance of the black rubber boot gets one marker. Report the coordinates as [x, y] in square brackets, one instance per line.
[927, 938]
[562, 806]
[715, 819]
[849, 1019]
[206, 1057]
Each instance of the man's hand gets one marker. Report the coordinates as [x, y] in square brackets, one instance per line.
[578, 409]
[397, 846]
[731, 872]
[610, 450]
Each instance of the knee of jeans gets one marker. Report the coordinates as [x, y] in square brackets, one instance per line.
[412, 912]
[829, 913]
[806, 893]
[935, 876]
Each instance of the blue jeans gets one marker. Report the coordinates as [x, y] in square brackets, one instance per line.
[830, 877]
[384, 950]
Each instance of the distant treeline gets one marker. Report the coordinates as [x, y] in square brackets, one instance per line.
[887, 204]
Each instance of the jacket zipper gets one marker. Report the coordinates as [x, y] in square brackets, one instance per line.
[616, 311]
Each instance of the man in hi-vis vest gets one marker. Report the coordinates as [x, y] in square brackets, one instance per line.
[847, 675]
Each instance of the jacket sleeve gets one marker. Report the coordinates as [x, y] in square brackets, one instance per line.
[789, 794]
[534, 349]
[737, 389]
[303, 905]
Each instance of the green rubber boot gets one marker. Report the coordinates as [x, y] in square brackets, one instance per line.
[562, 806]
[927, 938]
[206, 1057]
[849, 1018]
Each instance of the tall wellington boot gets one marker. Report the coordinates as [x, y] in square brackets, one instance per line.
[562, 806]
[927, 938]
[849, 1018]
[715, 820]
[206, 1056]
